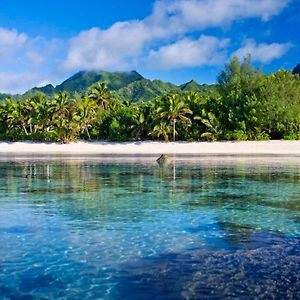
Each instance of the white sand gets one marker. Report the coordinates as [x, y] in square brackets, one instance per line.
[144, 148]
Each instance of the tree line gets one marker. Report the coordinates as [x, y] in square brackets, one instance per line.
[244, 105]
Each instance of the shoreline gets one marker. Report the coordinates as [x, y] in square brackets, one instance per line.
[247, 148]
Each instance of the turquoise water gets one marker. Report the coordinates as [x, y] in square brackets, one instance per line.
[125, 229]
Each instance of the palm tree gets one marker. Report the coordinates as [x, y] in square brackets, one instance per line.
[173, 108]
[42, 113]
[101, 95]
[64, 118]
[139, 123]
[163, 129]
[60, 108]
[86, 114]
[61, 103]
[212, 124]
[16, 116]
[6, 108]
[28, 111]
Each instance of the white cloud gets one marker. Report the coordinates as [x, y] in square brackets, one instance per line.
[25, 60]
[262, 52]
[12, 38]
[14, 82]
[200, 14]
[10, 43]
[206, 50]
[96, 48]
[122, 45]
[34, 57]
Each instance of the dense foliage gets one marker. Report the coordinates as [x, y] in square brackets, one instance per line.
[244, 105]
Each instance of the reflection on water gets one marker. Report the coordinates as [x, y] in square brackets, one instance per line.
[124, 228]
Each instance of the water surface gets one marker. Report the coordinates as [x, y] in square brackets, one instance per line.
[209, 228]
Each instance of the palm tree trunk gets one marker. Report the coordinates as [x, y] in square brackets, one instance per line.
[87, 131]
[25, 130]
[174, 130]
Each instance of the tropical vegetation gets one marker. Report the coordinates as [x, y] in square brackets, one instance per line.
[244, 105]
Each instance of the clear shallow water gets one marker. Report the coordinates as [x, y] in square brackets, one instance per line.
[130, 230]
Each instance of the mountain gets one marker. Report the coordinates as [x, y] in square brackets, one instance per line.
[125, 85]
[297, 69]
[47, 89]
[193, 86]
[83, 80]
[146, 90]
[4, 96]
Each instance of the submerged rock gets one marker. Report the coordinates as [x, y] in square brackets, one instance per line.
[163, 159]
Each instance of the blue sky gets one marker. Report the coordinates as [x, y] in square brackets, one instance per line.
[174, 40]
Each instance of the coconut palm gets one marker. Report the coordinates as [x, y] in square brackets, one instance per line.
[173, 108]
[101, 95]
[60, 108]
[163, 129]
[61, 104]
[42, 112]
[6, 108]
[64, 122]
[16, 116]
[212, 124]
[86, 114]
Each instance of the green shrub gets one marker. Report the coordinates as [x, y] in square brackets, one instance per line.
[236, 135]
[291, 136]
[262, 136]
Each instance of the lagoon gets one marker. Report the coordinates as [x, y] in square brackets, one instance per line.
[126, 228]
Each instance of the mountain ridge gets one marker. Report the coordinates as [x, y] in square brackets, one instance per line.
[125, 85]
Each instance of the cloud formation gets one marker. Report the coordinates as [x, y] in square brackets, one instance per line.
[187, 15]
[263, 52]
[10, 43]
[207, 50]
[12, 82]
[25, 60]
[11, 38]
[171, 37]
[124, 43]
[114, 47]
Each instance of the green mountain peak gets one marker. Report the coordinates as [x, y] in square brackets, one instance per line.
[125, 85]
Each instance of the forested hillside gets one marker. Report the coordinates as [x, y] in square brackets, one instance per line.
[125, 85]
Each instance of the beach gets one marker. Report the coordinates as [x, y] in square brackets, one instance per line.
[153, 148]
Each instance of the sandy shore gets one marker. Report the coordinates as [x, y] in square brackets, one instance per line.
[144, 148]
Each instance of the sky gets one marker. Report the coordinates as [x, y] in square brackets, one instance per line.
[47, 41]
